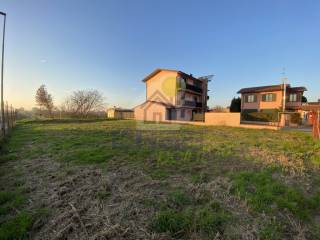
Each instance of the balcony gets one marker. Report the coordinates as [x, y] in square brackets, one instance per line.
[199, 104]
[191, 104]
[193, 88]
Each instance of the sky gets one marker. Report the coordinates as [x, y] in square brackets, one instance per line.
[111, 45]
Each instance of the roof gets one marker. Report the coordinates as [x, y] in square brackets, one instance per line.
[311, 107]
[271, 88]
[121, 109]
[313, 103]
[155, 72]
[155, 102]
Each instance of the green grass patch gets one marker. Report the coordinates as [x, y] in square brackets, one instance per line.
[207, 221]
[179, 198]
[272, 231]
[199, 178]
[16, 227]
[181, 216]
[10, 201]
[265, 194]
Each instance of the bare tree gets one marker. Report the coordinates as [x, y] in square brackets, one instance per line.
[44, 99]
[83, 102]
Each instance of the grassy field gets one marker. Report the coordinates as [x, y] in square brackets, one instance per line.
[73, 179]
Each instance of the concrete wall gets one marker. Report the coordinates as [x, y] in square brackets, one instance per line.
[224, 119]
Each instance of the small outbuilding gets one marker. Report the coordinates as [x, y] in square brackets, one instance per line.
[120, 113]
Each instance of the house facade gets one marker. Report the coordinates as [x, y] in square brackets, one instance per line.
[172, 95]
[271, 97]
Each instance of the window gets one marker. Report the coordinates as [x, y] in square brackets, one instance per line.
[182, 113]
[269, 97]
[250, 98]
[293, 97]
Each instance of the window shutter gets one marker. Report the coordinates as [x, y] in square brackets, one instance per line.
[274, 97]
[264, 96]
[299, 97]
[246, 98]
[255, 98]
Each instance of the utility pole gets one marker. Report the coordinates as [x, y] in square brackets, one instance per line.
[2, 63]
[284, 81]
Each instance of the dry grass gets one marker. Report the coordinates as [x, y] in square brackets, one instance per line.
[110, 180]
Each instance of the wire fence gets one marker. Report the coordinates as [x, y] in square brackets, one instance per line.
[8, 121]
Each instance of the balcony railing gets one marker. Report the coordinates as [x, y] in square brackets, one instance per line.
[193, 88]
[199, 104]
[191, 103]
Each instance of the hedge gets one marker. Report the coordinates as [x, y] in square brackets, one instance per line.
[265, 115]
[296, 118]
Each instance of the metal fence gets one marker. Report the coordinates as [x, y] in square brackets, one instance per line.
[8, 121]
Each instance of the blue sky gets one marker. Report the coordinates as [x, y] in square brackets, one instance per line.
[111, 45]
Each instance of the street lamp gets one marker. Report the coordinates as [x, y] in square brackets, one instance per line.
[2, 103]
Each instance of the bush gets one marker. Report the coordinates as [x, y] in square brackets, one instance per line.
[266, 115]
[296, 118]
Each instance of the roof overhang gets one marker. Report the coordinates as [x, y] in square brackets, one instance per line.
[182, 74]
[155, 72]
[271, 88]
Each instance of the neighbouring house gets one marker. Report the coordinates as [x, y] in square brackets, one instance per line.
[120, 113]
[172, 95]
[271, 97]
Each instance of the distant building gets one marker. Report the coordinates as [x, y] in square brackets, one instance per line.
[120, 113]
[271, 97]
[172, 95]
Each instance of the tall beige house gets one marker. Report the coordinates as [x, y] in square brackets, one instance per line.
[172, 95]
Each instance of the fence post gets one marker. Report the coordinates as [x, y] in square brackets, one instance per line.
[14, 116]
[2, 125]
[11, 116]
[8, 120]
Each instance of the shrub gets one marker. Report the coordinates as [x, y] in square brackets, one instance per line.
[296, 118]
[265, 115]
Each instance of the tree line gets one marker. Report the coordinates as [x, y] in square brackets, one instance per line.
[81, 103]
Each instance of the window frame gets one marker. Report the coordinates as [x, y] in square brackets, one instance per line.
[293, 94]
[248, 97]
[266, 97]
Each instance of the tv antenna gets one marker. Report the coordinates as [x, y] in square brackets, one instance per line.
[208, 77]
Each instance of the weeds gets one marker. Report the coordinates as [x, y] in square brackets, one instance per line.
[266, 194]
[181, 216]
[196, 156]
